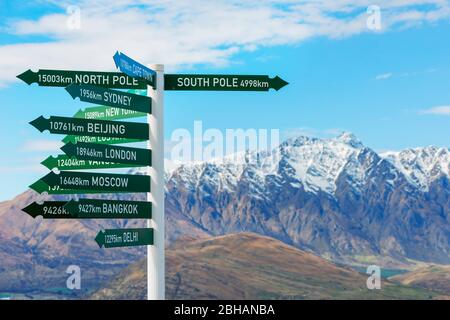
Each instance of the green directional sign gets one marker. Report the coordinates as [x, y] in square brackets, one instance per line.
[63, 78]
[48, 210]
[105, 182]
[41, 187]
[85, 127]
[113, 238]
[107, 113]
[110, 98]
[101, 152]
[109, 209]
[217, 82]
[64, 162]
[101, 140]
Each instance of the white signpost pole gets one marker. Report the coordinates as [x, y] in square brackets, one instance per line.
[155, 253]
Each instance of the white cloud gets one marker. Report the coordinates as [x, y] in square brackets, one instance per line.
[185, 33]
[383, 76]
[440, 111]
[388, 75]
[41, 145]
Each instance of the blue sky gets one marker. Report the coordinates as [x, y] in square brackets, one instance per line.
[390, 88]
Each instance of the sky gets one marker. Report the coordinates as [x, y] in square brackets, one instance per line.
[388, 86]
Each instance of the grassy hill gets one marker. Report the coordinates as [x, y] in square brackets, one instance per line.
[433, 277]
[249, 266]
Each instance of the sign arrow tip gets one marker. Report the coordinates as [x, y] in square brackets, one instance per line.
[27, 77]
[79, 114]
[48, 162]
[39, 123]
[99, 238]
[116, 59]
[278, 83]
[38, 186]
[32, 210]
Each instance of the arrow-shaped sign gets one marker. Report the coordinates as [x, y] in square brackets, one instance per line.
[62, 78]
[64, 162]
[108, 153]
[113, 238]
[107, 113]
[85, 127]
[111, 98]
[48, 210]
[217, 82]
[41, 187]
[109, 209]
[105, 182]
[134, 69]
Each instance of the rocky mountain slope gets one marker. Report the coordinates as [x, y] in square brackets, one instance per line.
[250, 266]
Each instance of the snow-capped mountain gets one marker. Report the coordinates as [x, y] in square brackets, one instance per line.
[316, 164]
[421, 166]
[333, 196]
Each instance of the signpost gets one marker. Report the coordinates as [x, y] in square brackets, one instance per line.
[217, 82]
[155, 254]
[114, 238]
[111, 98]
[108, 153]
[108, 209]
[62, 78]
[92, 136]
[99, 128]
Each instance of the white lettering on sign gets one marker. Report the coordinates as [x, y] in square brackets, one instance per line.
[124, 80]
[117, 98]
[225, 82]
[115, 154]
[109, 182]
[98, 79]
[130, 237]
[202, 82]
[120, 208]
[106, 128]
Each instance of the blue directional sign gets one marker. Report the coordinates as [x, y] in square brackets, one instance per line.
[134, 69]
